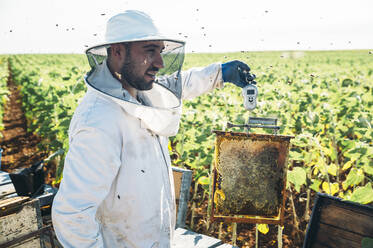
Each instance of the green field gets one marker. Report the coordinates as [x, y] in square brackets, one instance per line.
[3, 88]
[324, 99]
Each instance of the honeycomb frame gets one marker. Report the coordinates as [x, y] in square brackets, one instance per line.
[233, 196]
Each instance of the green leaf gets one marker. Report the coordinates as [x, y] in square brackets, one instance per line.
[347, 82]
[368, 169]
[334, 188]
[347, 144]
[298, 142]
[352, 156]
[347, 165]
[363, 195]
[367, 242]
[65, 123]
[355, 177]
[204, 180]
[297, 177]
[308, 158]
[332, 169]
[179, 147]
[293, 155]
[315, 185]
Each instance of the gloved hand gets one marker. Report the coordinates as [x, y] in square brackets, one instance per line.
[237, 72]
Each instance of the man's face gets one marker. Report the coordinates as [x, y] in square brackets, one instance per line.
[142, 62]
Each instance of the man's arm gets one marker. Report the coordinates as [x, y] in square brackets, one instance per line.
[197, 81]
[90, 167]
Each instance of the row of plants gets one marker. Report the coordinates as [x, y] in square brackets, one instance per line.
[4, 92]
[50, 86]
[324, 99]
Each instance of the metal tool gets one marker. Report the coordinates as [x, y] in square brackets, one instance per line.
[250, 91]
[258, 122]
[250, 95]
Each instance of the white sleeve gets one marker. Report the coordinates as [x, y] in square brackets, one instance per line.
[197, 81]
[91, 165]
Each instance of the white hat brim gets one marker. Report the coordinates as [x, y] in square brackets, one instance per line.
[147, 38]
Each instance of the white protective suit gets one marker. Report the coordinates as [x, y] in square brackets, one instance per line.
[117, 188]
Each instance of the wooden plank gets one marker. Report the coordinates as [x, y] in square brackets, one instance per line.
[26, 220]
[354, 206]
[4, 178]
[332, 236]
[177, 182]
[185, 238]
[320, 245]
[11, 205]
[177, 185]
[348, 218]
[6, 190]
[6, 186]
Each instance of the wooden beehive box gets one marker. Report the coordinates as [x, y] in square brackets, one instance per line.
[182, 181]
[20, 216]
[338, 223]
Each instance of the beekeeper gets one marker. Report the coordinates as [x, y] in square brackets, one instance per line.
[117, 188]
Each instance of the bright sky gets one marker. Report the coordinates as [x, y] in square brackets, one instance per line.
[68, 26]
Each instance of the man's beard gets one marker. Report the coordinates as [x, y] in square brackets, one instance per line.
[137, 82]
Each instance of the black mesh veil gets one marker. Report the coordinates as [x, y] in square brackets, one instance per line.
[168, 77]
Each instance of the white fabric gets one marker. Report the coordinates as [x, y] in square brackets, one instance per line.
[117, 187]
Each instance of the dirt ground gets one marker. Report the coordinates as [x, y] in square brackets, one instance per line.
[20, 147]
[21, 150]
[292, 237]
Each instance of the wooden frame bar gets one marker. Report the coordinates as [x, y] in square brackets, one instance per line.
[338, 223]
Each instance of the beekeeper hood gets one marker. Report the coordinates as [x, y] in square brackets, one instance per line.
[159, 108]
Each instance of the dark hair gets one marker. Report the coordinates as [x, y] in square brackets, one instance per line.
[127, 45]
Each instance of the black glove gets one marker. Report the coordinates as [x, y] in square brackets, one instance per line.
[238, 73]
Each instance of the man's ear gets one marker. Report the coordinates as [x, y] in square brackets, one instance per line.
[118, 51]
[116, 58]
